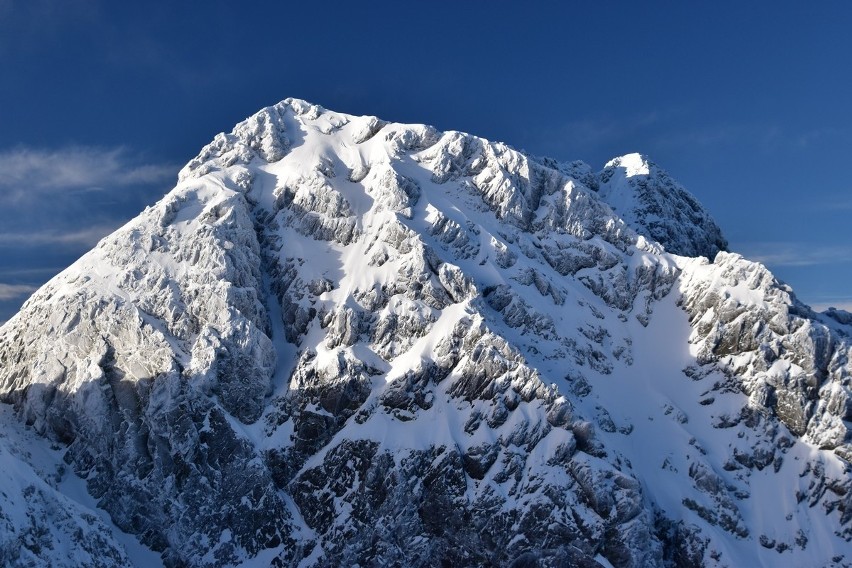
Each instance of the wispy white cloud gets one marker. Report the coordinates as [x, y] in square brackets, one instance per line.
[835, 203]
[684, 126]
[815, 136]
[37, 273]
[36, 172]
[797, 254]
[38, 25]
[12, 291]
[700, 136]
[77, 237]
[773, 137]
[662, 131]
[602, 130]
[840, 304]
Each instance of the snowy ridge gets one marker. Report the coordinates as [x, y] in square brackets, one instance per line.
[343, 341]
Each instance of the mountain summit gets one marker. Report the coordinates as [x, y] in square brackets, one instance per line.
[651, 202]
[342, 341]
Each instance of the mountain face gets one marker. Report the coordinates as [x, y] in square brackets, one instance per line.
[342, 341]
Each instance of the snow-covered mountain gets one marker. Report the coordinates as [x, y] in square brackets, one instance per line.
[340, 341]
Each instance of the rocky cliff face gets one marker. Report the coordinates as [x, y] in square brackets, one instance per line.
[342, 341]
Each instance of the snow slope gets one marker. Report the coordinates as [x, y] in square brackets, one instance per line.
[343, 341]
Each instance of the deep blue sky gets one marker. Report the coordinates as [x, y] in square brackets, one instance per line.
[746, 103]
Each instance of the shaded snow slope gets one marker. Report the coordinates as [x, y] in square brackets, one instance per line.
[343, 341]
[47, 517]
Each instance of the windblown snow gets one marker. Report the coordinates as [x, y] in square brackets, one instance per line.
[343, 341]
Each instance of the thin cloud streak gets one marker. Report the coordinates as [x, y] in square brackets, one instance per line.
[83, 237]
[600, 131]
[12, 291]
[34, 172]
[797, 254]
[37, 272]
[661, 130]
[839, 204]
[37, 25]
[840, 304]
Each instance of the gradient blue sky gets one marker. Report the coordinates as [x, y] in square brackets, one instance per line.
[745, 103]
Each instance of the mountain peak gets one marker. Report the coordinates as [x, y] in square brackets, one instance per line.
[633, 164]
[342, 341]
[653, 203]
